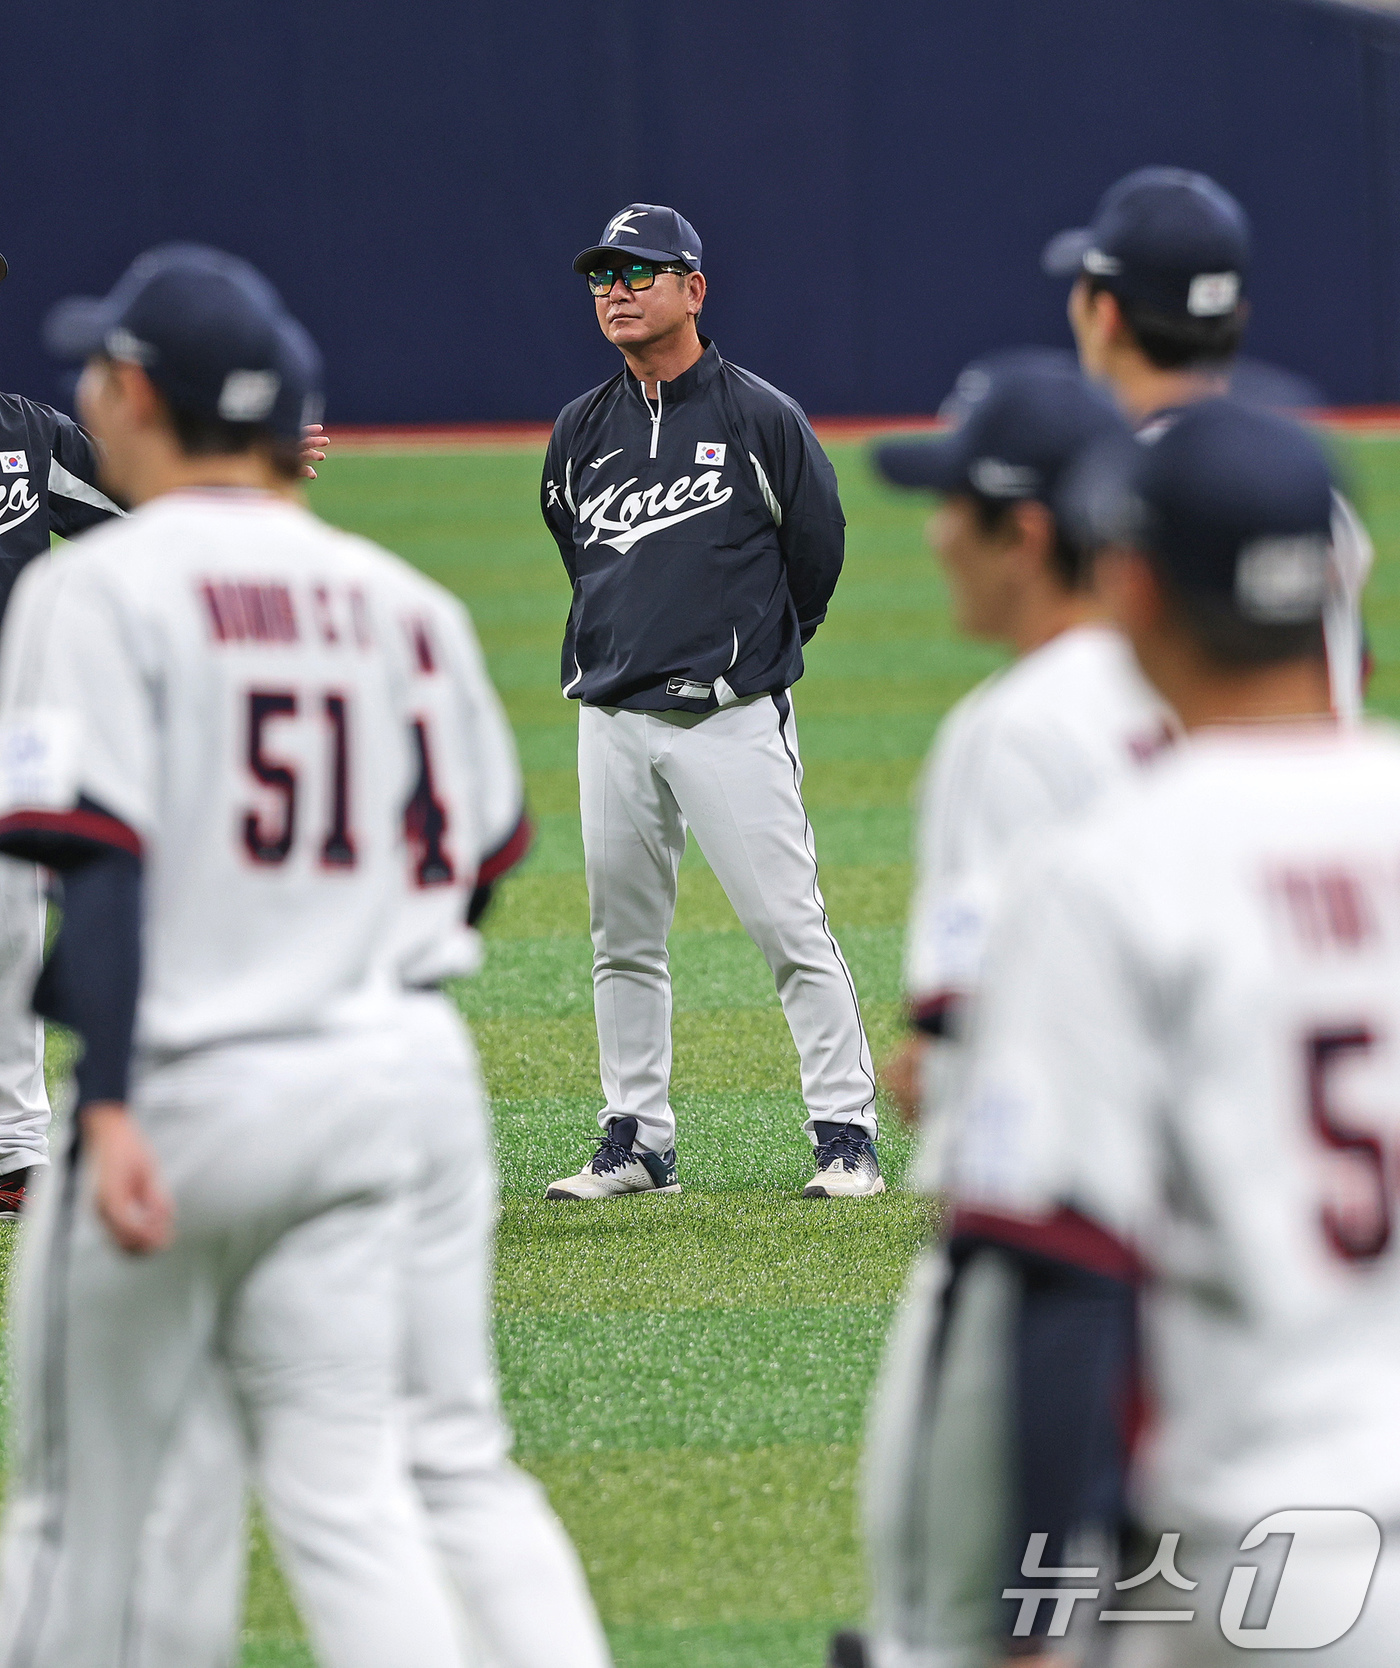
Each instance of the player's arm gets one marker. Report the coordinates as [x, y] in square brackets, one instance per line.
[75, 738]
[987, 788]
[497, 785]
[798, 484]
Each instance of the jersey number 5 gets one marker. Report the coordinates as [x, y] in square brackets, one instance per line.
[1357, 1217]
[274, 844]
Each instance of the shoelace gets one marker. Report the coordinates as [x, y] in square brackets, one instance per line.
[848, 1145]
[611, 1155]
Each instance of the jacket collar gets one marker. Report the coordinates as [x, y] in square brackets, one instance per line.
[702, 372]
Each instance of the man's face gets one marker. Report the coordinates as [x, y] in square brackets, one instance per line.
[633, 319]
[103, 406]
[1093, 317]
[985, 570]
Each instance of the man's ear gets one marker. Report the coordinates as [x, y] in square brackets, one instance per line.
[694, 293]
[143, 403]
[1108, 315]
[1035, 530]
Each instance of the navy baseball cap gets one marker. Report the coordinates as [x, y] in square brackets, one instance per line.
[210, 332]
[1021, 418]
[1172, 239]
[644, 232]
[1232, 503]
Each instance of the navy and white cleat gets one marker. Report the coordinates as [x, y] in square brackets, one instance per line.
[618, 1167]
[847, 1167]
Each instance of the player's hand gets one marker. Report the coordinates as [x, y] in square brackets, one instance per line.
[314, 441]
[130, 1196]
[902, 1076]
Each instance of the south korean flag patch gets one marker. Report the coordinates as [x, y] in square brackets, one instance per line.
[17, 463]
[710, 452]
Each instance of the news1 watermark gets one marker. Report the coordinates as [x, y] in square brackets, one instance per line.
[1326, 1574]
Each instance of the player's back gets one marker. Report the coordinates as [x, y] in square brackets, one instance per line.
[235, 679]
[1252, 890]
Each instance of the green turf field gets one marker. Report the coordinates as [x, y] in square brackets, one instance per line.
[688, 1376]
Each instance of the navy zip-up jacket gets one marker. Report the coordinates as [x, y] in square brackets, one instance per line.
[48, 484]
[702, 533]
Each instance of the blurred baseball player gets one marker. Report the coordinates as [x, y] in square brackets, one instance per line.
[1158, 308]
[211, 724]
[1029, 748]
[1039, 741]
[1170, 1295]
[48, 485]
[525, 1598]
[699, 523]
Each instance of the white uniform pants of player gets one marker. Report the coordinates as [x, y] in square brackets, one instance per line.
[519, 1579]
[734, 778]
[278, 1302]
[934, 1437]
[24, 1102]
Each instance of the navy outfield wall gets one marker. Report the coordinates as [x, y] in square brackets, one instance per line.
[873, 179]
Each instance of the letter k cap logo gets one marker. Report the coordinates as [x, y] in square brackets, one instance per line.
[1324, 1583]
[621, 223]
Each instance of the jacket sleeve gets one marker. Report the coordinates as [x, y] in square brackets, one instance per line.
[557, 495]
[799, 485]
[76, 501]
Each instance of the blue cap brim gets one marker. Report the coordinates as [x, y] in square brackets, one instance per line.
[934, 465]
[77, 328]
[1063, 256]
[607, 253]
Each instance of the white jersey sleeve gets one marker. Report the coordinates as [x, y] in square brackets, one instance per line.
[467, 822]
[1064, 1076]
[984, 786]
[1030, 747]
[80, 709]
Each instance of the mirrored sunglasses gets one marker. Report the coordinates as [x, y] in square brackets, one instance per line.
[639, 275]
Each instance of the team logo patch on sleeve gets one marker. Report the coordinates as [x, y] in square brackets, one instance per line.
[17, 463]
[39, 760]
[709, 452]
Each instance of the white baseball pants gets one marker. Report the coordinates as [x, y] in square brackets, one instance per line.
[516, 1573]
[734, 777]
[278, 1303]
[24, 1102]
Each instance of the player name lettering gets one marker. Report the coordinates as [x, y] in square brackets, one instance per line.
[242, 611]
[664, 507]
[17, 505]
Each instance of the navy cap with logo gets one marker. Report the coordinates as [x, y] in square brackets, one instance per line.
[1021, 418]
[210, 332]
[1232, 503]
[1166, 237]
[643, 232]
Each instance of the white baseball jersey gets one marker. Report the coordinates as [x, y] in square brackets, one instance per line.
[1189, 1035]
[1030, 746]
[294, 731]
